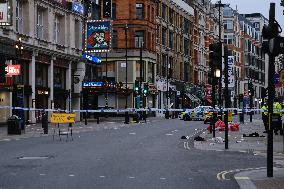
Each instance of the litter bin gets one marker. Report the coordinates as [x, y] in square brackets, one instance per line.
[14, 125]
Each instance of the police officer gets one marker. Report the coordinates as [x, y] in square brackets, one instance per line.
[264, 107]
[277, 126]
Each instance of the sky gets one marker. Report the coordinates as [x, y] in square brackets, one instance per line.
[258, 6]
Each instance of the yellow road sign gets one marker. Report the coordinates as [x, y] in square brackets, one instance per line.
[230, 116]
[62, 117]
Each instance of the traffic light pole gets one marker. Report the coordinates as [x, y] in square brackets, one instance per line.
[271, 94]
[126, 82]
[226, 95]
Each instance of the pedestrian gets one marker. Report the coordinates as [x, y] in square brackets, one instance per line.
[277, 125]
[264, 113]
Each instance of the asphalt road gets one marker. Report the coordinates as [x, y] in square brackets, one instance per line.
[143, 156]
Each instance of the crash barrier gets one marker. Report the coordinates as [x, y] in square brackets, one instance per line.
[137, 110]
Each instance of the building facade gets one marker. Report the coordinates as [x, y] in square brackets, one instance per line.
[51, 65]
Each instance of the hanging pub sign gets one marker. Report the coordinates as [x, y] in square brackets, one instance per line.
[91, 58]
[98, 36]
[13, 70]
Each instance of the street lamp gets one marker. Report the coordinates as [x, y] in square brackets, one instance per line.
[217, 73]
[126, 88]
[167, 76]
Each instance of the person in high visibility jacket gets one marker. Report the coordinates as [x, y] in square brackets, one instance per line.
[264, 107]
[277, 126]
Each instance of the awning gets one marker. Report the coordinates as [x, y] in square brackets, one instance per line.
[196, 98]
[190, 97]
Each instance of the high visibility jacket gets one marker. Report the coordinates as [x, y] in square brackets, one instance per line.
[277, 106]
[265, 108]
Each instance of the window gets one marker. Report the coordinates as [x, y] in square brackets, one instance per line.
[19, 16]
[256, 25]
[186, 25]
[59, 78]
[229, 39]
[139, 39]
[56, 31]
[149, 12]
[171, 40]
[39, 25]
[164, 11]
[186, 46]
[228, 25]
[171, 16]
[114, 39]
[41, 75]
[113, 16]
[139, 11]
[77, 34]
[164, 36]
[228, 12]
[164, 65]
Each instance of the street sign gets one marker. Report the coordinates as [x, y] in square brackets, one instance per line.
[62, 117]
[230, 116]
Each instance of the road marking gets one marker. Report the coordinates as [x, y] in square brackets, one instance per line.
[32, 158]
[6, 139]
[169, 134]
[131, 177]
[132, 133]
[242, 178]
[102, 176]
[162, 178]
[71, 175]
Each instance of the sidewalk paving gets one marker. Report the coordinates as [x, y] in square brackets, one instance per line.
[252, 179]
[36, 130]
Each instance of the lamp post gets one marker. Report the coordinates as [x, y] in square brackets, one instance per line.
[106, 86]
[167, 76]
[126, 88]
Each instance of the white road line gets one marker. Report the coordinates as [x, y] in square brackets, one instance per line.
[162, 178]
[169, 134]
[131, 177]
[71, 175]
[41, 174]
[132, 133]
[102, 176]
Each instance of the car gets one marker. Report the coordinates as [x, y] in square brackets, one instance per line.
[198, 113]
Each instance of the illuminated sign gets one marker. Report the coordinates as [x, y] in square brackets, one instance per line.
[98, 36]
[93, 84]
[92, 58]
[13, 70]
[77, 7]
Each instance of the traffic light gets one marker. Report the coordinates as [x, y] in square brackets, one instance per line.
[146, 89]
[215, 55]
[250, 89]
[136, 87]
[3, 71]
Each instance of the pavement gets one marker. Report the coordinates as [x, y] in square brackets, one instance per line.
[36, 130]
[250, 178]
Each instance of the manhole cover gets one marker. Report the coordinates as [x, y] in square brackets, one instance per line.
[34, 157]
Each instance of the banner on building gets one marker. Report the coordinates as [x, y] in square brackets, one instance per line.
[231, 75]
[98, 36]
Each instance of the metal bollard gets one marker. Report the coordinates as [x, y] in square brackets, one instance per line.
[44, 121]
[86, 121]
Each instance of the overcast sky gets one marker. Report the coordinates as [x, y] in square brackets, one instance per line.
[255, 6]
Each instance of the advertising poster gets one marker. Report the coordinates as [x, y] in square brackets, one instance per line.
[98, 36]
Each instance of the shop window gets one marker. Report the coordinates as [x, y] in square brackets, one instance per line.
[59, 78]
[41, 75]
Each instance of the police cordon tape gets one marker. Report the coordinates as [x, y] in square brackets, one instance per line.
[137, 110]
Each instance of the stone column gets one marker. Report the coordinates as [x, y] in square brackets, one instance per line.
[68, 86]
[32, 82]
[50, 83]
